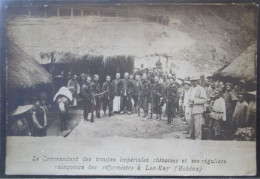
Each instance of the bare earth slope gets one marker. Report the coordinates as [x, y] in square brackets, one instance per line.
[207, 37]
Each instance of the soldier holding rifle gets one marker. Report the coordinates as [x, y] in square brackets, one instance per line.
[144, 93]
[157, 98]
[87, 96]
[107, 96]
[171, 95]
[95, 86]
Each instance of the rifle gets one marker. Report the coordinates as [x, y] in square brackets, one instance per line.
[93, 106]
[167, 104]
[138, 108]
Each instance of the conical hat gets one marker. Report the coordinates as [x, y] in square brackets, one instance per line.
[252, 92]
[21, 110]
[194, 78]
[186, 82]
[65, 92]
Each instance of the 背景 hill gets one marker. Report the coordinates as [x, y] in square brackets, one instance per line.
[205, 37]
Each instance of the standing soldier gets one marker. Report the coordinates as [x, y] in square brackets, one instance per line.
[126, 91]
[197, 101]
[131, 78]
[86, 93]
[186, 107]
[144, 93]
[136, 96]
[157, 98]
[116, 87]
[230, 100]
[171, 95]
[95, 86]
[74, 88]
[107, 96]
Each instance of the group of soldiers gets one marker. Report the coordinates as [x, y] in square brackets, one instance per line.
[148, 94]
[214, 105]
[154, 94]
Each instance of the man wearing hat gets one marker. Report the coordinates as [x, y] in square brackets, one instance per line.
[230, 100]
[171, 98]
[197, 101]
[19, 121]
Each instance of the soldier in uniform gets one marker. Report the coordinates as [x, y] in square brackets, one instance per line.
[95, 86]
[126, 94]
[157, 96]
[170, 96]
[86, 93]
[230, 100]
[116, 88]
[107, 96]
[137, 90]
[116, 85]
[144, 93]
[131, 78]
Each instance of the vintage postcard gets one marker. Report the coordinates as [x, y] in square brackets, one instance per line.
[131, 89]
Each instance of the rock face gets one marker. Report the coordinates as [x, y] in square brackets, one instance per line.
[207, 37]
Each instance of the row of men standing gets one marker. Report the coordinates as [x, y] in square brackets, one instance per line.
[141, 90]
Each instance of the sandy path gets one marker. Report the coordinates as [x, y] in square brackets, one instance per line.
[130, 126]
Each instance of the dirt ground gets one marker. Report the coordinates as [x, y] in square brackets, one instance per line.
[118, 125]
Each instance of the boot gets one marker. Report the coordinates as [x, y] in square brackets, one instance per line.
[92, 118]
[156, 116]
[105, 114]
[168, 120]
[98, 114]
[160, 117]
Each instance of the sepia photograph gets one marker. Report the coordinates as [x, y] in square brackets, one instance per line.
[168, 77]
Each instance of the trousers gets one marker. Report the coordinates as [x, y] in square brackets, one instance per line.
[196, 122]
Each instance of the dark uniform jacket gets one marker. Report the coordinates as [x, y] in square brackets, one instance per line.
[138, 87]
[145, 88]
[86, 92]
[116, 86]
[107, 86]
[126, 87]
[172, 93]
[95, 87]
[157, 90]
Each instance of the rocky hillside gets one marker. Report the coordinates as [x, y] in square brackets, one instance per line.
[206, 37]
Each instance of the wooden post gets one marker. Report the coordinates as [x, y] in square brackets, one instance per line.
[29, 12]
[71, 12]
[58, 12]
[81, 12]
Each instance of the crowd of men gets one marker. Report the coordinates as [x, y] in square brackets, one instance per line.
[208, 108]
[215, 105]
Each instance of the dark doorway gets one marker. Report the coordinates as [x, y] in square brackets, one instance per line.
[96, 65]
